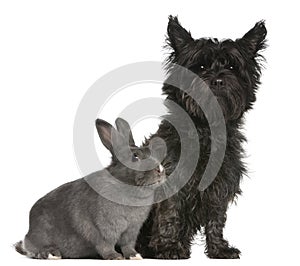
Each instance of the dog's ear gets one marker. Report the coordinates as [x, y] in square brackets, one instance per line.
[254, 40]
[178, 37]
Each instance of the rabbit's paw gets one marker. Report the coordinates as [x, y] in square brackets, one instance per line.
[53, 257]
[114, 256]
[136, 257]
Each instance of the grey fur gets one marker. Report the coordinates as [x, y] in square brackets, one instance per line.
[74, 221]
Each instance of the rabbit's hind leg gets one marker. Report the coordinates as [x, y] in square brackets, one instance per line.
[39, 251]
[48, 253]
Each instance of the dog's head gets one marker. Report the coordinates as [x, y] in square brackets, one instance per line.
[231, 69]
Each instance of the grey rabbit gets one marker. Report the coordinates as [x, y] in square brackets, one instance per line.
[74, 221]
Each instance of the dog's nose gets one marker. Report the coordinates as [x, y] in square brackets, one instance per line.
[218, 82]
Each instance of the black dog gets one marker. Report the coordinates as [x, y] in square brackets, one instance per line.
[232, 71]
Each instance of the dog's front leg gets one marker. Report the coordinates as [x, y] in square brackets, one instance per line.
[216, 246]
[169, 234]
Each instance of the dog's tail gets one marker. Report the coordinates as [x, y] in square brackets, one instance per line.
[19, 247]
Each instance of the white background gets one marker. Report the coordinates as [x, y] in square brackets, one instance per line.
[53, 51]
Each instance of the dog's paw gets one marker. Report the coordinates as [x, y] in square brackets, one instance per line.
[171, 255]
[225, 253]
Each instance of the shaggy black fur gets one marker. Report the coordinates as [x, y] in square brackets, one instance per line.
[232, 70]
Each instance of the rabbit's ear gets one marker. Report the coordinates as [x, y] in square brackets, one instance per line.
[107, 134]
[124, 129]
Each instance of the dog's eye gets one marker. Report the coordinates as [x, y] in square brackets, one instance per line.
[230, 67]
[202, 67]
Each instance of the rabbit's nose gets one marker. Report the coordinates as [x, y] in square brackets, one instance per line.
[160, 168]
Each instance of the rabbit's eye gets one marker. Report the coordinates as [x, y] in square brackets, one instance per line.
[135, 157]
